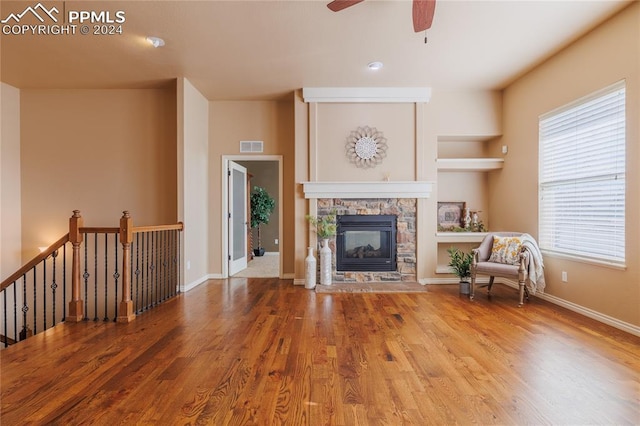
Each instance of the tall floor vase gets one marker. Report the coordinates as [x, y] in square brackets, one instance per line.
[310, 269]
[325, 263]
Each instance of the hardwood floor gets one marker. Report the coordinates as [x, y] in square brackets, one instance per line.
[262, 351]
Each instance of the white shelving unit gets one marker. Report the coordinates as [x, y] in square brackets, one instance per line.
[460, 237]
[469, 164]
[462, 160]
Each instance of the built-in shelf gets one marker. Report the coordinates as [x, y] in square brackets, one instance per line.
[469, 164]
[460, 237]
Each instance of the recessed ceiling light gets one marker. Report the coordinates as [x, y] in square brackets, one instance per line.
[155, 41]
[375, 65]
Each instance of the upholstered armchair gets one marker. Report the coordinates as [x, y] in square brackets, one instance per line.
[483, 264]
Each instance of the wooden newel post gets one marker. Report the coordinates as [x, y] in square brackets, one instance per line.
[76, 311]
[125, 310]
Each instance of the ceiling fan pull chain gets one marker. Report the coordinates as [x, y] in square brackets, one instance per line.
[425, 36]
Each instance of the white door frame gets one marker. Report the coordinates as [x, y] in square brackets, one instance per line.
[224, 203]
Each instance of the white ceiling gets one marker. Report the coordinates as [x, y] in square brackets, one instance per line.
[265, 49]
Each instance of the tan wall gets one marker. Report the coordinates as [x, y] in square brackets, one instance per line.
[193, 181]
[10, 206]
[99, 151]
[335, 122]
[606, 55]
[467, 114]
[229, 123]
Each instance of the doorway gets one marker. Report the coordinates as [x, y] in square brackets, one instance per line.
[264, 171]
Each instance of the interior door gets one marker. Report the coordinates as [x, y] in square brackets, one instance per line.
[238, 220]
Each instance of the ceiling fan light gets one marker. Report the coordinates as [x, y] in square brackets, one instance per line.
[155, 41]
[375, 65]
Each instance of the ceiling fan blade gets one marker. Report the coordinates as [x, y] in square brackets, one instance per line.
[423, 11]
[338, 5]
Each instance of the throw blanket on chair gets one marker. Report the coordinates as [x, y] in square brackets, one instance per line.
[534, 265]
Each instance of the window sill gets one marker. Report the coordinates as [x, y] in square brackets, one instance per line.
[588, 261]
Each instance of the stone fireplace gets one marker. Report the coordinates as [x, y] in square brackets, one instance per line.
[404, 211]
[396, 201]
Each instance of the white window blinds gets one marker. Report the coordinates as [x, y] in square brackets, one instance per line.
[582, 177]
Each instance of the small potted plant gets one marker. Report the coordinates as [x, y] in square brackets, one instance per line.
[460, 263]
[262, 205]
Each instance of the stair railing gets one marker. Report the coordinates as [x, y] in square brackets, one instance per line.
[140, 263]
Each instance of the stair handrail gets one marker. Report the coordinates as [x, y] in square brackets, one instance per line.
[35, 261]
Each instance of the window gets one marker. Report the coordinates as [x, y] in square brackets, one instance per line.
[582, 177]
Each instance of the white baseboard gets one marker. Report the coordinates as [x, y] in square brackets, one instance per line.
[590, 313]
[196, 283]
[298, 281]
[289, 276]
[606, 319]
[447, 281]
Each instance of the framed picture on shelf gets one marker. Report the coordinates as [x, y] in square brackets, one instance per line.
[450, 214]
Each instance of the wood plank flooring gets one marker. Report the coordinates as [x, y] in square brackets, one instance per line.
[262, 351]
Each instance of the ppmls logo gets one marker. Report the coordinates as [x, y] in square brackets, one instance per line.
[77, 22]
[33, 11]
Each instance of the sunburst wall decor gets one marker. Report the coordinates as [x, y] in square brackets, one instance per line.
[366, 147]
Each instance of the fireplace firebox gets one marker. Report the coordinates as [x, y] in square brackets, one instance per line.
[366, 243]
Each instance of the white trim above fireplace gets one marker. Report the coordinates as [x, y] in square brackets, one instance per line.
[412, 189]
[366, 94]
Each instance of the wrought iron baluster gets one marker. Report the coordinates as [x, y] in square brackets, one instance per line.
[156, 270]
[116, 275]
[131, 272]
[4, 315]
[150, 266]
[137, 272]
[44, 294]
[35, 301]
[86, 276]
[106, 280]
[174, 253]
[95, 275]
[178, 262]
[163, 280]
[64, 282]
[145, 272]
[54, 286]
[15, 307]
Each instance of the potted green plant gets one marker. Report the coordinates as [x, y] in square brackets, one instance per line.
[262, 205]
[325, 225]
[460, 263]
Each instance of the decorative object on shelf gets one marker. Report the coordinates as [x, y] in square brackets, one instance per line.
[366, 147]
[325, 228]
[262, 205]
[460, 263]
[470, 222]
[466, 223]
[450, 214]
[310, 269]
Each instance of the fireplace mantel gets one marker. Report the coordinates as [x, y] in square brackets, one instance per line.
[390, 189]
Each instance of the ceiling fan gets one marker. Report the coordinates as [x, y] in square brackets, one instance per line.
[423, 11]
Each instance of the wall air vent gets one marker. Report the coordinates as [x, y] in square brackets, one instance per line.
[251, 146]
